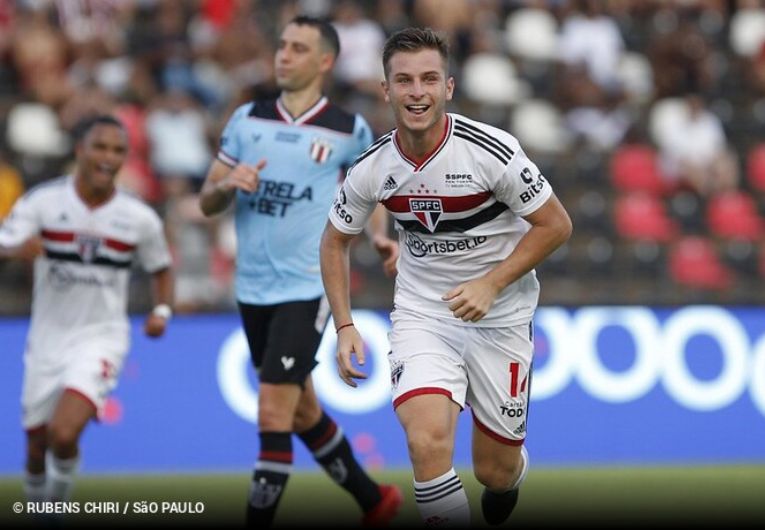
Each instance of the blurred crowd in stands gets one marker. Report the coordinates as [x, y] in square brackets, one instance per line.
[647, 116]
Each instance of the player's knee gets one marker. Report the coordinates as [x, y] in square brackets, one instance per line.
[432, 443]
[63, 438]
[306, 416]
[497, 475]
[274, 418]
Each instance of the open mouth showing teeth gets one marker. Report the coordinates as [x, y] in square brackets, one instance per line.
[417, 109]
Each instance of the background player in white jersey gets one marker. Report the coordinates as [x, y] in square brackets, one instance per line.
[476, 216]
[280, 162]
[91, 233]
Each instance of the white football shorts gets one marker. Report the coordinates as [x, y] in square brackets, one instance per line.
[485, 368]
[91, 369]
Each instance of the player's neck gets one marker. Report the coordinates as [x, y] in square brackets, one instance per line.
[418, 145]
[93, 198]
[299, 101]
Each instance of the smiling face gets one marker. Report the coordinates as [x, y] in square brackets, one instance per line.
[417, 88]
[301, 59]
[100, 154]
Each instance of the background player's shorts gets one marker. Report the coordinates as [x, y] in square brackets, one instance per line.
[487, 368]
[284, 338]
[90, 368]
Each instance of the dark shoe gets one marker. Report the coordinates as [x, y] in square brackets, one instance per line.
[497, 507]
[382, 514]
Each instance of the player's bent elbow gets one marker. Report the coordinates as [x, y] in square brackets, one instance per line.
[565, 228]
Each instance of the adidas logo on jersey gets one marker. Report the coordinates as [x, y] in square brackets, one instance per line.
[390, 184]
[521, 429]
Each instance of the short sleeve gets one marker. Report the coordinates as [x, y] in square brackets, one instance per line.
[153, 252]
[522, 186]
[353, 204]
[229, 148]
[21, 224]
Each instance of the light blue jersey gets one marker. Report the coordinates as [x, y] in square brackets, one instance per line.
[279, 227]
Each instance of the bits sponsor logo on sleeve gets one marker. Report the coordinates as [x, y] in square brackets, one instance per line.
[339, 207]
[533, 187]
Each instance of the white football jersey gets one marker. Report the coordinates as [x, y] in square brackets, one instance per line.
[458, 214]
[81, 279]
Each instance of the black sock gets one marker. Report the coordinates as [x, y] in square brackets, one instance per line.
[269, 478]
[331, 449]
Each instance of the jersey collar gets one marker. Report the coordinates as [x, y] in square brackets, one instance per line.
[316, 109]
[419, 165]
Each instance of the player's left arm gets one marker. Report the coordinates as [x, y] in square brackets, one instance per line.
[163, 288]
[154, 255]
[550, 228]
[528, 194]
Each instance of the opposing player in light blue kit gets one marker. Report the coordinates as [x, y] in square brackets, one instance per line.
[280, 162]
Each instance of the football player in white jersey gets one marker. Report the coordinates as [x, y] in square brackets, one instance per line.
[79, 333]
[476, 216]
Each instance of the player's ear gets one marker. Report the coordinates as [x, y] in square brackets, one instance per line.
[449, 88]
[327, 62]
[386, 89]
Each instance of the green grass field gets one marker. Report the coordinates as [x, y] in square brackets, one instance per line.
[718, 497]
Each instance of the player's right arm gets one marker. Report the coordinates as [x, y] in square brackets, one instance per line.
[335, 273]
[347, 218]
[227, 173]
[221, 184]
[19, 232]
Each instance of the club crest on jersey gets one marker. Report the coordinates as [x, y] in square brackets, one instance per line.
[427, 211]
[320, 150]
[87, 246]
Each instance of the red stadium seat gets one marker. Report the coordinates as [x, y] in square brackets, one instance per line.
[643, 217]
[734, 215]
[694, 262]
[634, 167]
[755, 170]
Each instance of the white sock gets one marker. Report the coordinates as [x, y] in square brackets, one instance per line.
[524, 468]
[61, 473]
[34, 486]
[442, 501]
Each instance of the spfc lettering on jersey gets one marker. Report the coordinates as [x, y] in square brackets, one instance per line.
[320, 150]
[427, 211]
[87, 246]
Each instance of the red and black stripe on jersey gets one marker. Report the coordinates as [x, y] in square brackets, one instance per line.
[69, 239]
[400, 204]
